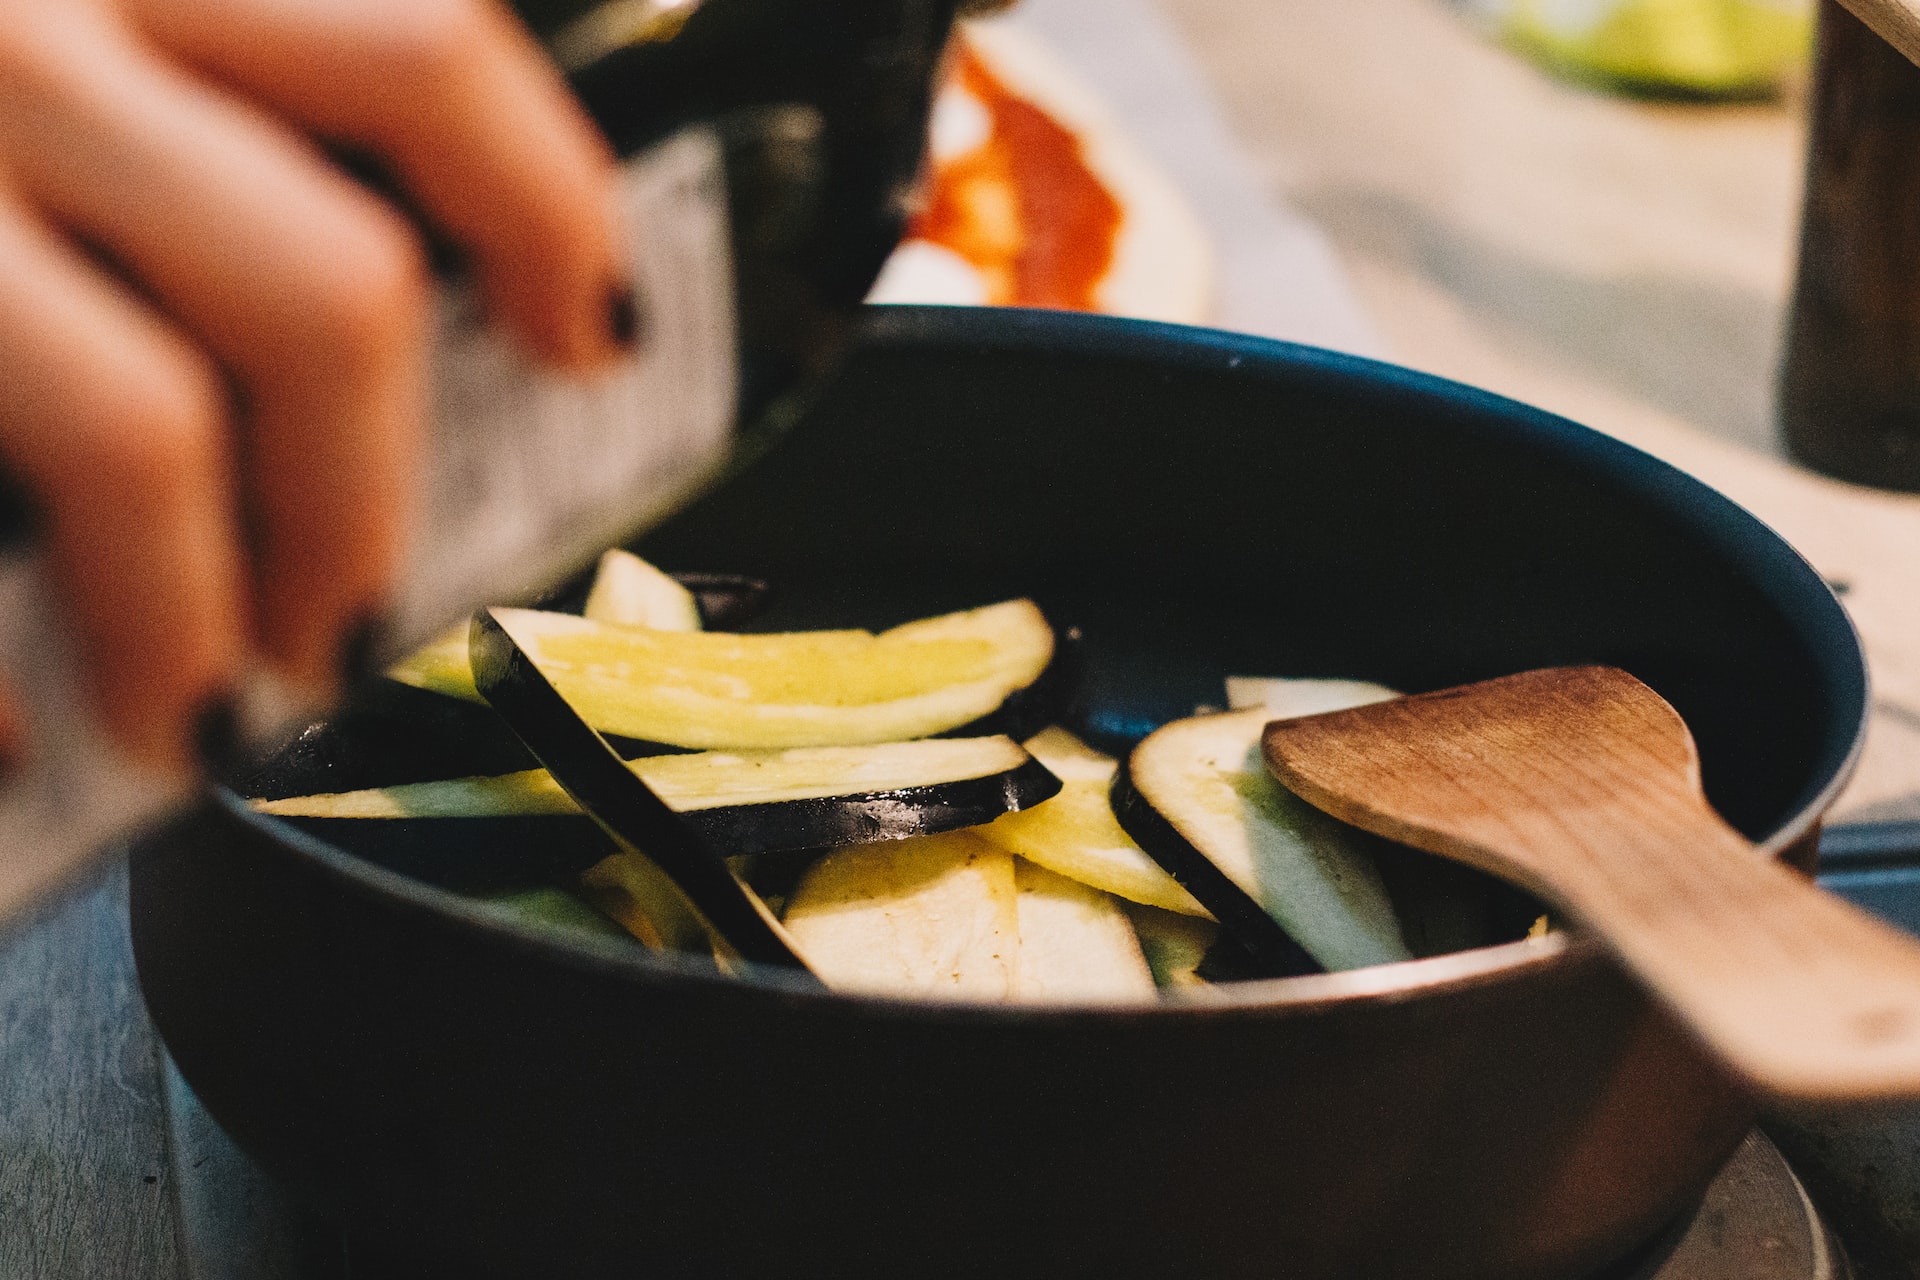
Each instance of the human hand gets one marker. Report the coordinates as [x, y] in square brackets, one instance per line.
[213, 341]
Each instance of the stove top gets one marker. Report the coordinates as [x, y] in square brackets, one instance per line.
[1755, 1223]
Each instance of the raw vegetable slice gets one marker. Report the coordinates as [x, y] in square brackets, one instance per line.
[629, 591]
[1076, 834]
[626, 590]
[742, 802]
[552, 909]
[1076, 943]
[1175, 945]
[808, 688]
[640, 897]
[936, 916]
[688, 783]
[1275, 871]
[1287, 698]
[624, 807]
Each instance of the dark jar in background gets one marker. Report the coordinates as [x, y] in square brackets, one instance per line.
[1850, 382]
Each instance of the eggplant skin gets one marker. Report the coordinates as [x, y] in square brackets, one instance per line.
[725, 599]
[1271, 950]
[502, 852]
[494, 854]
[795, 825]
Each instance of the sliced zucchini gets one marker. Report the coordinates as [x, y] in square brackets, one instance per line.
[1076, 834]
[629, 591]
[739, 802]
[935, 916]
[807, 688]
[1076, 944]
[1277, 873]
[1287, 698]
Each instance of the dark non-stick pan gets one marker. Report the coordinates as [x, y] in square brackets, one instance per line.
[1199, 505]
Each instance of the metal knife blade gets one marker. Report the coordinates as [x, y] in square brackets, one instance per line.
[529, 475]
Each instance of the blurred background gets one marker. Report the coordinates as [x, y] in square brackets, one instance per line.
[1590, 205]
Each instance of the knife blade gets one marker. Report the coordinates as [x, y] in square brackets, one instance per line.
[529, 474]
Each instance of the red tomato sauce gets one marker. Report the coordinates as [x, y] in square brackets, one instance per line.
[1023, 208]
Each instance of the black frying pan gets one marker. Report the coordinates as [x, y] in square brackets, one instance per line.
[1199, 504]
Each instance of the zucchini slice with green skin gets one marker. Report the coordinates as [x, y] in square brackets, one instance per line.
[1279, 875]
[744, 802]
[709, 689]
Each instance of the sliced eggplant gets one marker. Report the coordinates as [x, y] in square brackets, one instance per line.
[725, 599]
[936, 916]
[1076, 944]
[550, 909]
[625, 808]
[522, 828]
[1046, 701]
[1287, 697]
[629, 591]
[1175, 945]
[638, 896]
[809, 688]
[1279, 875]
[471, 855]
[1075, 834]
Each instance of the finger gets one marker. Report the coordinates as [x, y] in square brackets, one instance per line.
[116, 424]
[308, 291]
[478, 124]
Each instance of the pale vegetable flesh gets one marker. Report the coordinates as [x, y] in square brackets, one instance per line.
[688, 783]
[935, 916]
[1207, 778]
[1076, 834]
[810, 688]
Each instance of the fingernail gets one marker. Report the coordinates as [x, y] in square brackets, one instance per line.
[216, 732]
[362, 648]
[623, 316]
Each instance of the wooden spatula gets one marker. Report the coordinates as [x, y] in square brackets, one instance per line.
[1582, 785]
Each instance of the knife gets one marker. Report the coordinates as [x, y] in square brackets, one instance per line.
[624, 806]
[529, 474]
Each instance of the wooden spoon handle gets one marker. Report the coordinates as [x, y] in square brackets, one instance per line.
[1582, 784]
[1895, 21]
[1799, 991]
